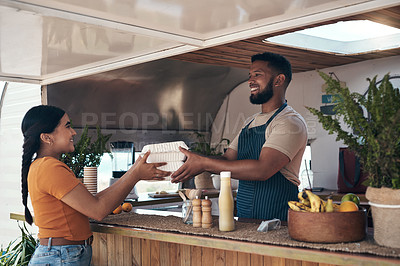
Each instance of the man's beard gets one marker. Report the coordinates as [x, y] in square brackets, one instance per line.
[264, 95]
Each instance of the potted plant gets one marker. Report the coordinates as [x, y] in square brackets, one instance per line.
[203, 147]
[377, 144]
[87, 153]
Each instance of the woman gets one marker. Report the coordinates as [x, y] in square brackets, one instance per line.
[61, 203]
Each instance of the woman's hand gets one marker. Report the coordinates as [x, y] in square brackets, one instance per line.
[148, 171]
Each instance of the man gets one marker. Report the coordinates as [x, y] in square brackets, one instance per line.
[266, 155]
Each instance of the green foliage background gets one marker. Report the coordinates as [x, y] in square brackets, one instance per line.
[87, 153]
[204, 148]
[377, 142]
[19, 251]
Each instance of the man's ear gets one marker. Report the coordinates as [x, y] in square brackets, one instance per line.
[46, 138]
[279, 80]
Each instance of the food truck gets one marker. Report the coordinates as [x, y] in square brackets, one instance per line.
[153, 72]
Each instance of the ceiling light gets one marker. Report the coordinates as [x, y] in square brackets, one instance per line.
[342, 38]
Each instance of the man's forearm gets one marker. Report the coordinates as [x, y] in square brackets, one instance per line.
[240, 169]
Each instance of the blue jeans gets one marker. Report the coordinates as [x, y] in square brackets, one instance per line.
[80, 255]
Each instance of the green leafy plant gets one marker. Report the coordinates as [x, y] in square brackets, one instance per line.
[204, 147]
[377, 142]
[87, 153]
[19, 251]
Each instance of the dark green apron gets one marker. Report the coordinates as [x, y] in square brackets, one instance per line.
[262, 199]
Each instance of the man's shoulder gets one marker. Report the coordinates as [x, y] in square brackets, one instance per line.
[290, 112]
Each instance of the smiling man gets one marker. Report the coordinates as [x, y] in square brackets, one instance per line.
[266, 155]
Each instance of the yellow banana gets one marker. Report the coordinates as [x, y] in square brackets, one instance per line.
[304, 198]
[298, 206]
[306, 202]
[302, 195]
[322, 206]
[329, 206]
[316, 202]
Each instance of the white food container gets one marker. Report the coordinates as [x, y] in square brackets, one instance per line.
[166, 152]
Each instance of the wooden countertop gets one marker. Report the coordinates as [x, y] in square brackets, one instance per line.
[227, 241]
[301, 254]
[296, 253]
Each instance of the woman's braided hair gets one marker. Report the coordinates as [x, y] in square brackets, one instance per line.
[39, 119]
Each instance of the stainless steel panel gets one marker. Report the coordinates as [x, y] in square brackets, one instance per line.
[164, 95]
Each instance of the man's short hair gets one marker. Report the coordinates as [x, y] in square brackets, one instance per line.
[277, 63]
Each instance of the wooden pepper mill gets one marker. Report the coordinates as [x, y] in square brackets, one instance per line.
[206, 220]
[196, 212]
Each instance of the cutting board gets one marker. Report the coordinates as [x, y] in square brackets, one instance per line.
[205, 192]
[167, 195]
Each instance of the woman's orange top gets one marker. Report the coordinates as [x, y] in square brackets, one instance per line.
[48, 181]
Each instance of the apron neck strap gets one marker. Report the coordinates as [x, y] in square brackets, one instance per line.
[272, 117]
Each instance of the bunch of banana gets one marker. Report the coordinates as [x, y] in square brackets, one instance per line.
[310, 202]
[298, 206]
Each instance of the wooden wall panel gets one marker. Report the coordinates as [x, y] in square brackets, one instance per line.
[103, 248]
[145, 252]
[127, 248]
[257, 260]
[174, 254]
[111, 251]
[196, 255]
[164, 253]
[274, 261]
[185, 251]
[219, 257]
[119, 250]
[136, 251]
[231, 258]
[116, 250]
[243, 258]
[207, 257]
[154, 253]
[289, 262]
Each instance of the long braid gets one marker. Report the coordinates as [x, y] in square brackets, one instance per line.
[30, 147]
[39, 119]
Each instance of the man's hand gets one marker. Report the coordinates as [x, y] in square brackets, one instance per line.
[193, 166]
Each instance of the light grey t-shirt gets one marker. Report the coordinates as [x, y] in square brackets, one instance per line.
[286, 133]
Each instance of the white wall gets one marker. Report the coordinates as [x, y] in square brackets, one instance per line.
[18, 99]
[305, 90]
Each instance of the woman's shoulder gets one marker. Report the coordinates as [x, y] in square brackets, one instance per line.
[50, 163]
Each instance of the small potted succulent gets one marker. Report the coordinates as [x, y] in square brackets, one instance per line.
[377, 144]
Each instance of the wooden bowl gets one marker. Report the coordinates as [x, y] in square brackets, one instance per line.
[327, 227]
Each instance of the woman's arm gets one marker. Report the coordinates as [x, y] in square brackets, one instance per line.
[99, 206]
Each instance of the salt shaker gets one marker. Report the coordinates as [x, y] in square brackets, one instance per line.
[206, 219]
[196, 203]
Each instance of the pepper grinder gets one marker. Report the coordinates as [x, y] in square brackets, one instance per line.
[206, 219]
[196, 212]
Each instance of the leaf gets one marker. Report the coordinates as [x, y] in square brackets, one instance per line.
[87, 152]
[377, 141]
